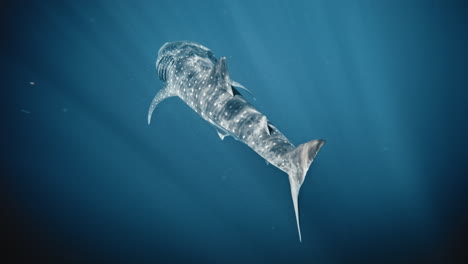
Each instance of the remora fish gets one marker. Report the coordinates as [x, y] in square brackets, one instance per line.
[191, 72]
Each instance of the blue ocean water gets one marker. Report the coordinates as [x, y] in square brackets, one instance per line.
[86, 179]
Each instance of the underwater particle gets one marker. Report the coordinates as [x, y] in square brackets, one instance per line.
[32, 83]
[25, 111]
[64, 109]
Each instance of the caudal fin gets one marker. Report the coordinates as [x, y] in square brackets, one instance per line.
[300, 159]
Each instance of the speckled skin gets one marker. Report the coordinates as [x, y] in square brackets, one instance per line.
[193, 73]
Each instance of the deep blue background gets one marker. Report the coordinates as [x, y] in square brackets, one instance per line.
[86, 179]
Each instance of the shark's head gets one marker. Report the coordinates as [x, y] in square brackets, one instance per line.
[189, 53]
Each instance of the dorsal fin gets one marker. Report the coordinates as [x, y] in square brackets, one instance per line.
[222, 74]
[221, 68]
[264, 124]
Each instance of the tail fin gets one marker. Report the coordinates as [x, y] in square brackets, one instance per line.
[300, 159]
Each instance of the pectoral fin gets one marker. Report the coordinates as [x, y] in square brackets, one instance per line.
[160, 96]
[238, 85]
[222, 73]
[222, 134]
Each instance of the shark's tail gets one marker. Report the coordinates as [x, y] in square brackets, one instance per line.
[301, 158]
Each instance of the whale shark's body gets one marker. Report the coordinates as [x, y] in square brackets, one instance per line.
[191, 72]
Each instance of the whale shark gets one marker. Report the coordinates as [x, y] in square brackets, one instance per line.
[191, 72]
